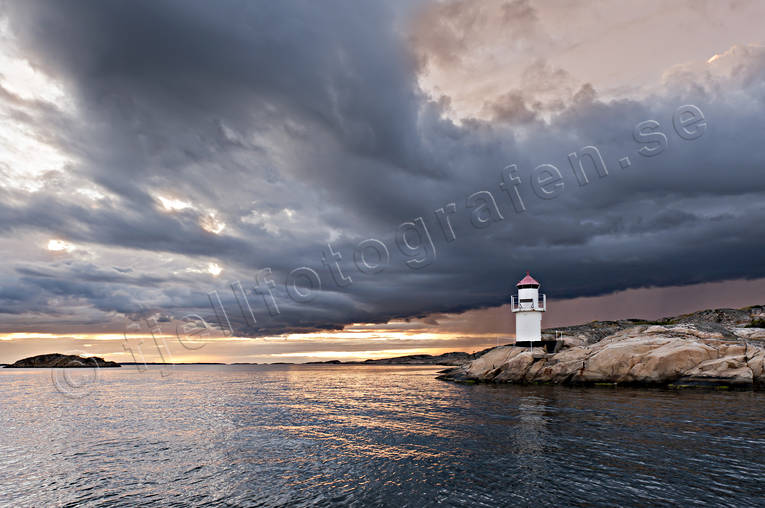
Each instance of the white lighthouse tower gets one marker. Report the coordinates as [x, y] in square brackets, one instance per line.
[528, 307]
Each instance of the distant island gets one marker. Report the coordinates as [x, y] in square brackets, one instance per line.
[453, 358]
[176, 363]
[59, 361]
[719, 348]
[56, 360]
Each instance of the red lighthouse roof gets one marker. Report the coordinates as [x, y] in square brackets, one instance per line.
[528, 280]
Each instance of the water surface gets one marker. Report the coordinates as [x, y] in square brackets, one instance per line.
[370, 435]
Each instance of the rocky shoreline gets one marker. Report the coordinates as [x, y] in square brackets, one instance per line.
[717, 348]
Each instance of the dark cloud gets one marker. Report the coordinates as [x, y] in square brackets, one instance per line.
[301, 124]
[511, 107]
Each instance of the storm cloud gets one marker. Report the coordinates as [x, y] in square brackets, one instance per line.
[197, 144]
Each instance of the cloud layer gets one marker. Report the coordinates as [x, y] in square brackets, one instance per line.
[190, 146]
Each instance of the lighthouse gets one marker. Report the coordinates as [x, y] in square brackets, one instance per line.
[528, 307]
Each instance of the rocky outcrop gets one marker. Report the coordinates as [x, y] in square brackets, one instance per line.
[718, 347]
[57, 360]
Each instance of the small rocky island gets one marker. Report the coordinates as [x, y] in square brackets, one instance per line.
[58, 361]
[719, 348]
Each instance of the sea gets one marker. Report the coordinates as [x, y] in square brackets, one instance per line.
[342, 435]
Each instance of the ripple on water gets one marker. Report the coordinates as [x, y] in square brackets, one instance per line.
[371, 435]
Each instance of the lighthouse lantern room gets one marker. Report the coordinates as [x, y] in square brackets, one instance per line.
[528, 306]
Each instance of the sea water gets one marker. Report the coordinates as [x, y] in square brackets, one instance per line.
[329, 435]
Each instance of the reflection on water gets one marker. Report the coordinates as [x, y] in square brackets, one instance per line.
[370, 435]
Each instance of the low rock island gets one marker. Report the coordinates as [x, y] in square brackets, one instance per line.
[722, 348]
[56, 360]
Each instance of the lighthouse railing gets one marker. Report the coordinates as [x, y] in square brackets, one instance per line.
[539, 303]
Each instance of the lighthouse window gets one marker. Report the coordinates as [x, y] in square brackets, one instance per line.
[526, 300]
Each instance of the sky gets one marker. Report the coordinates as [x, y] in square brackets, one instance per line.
[293, 181]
